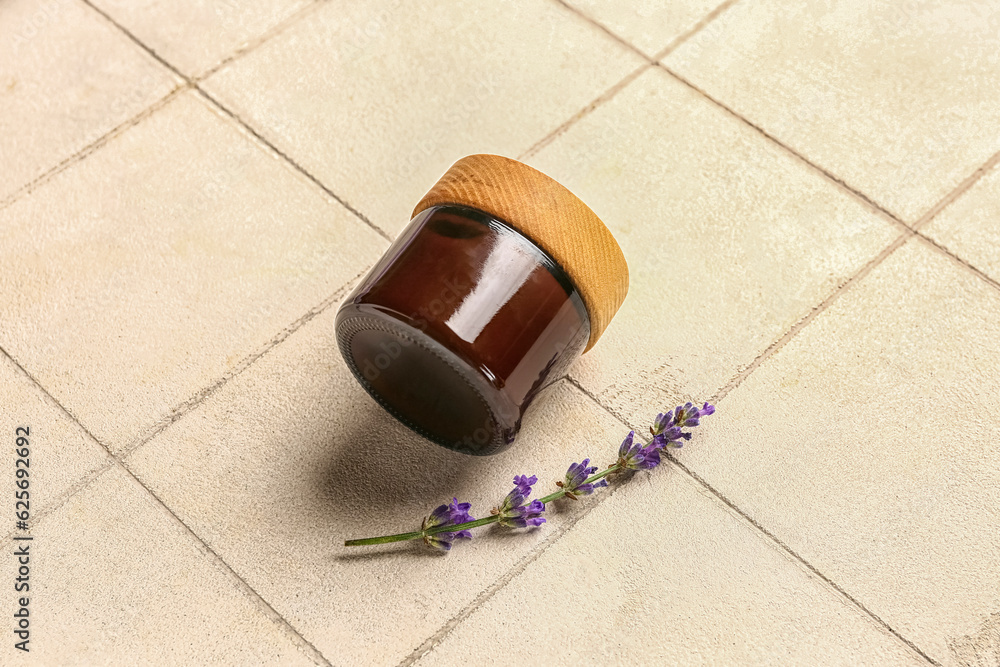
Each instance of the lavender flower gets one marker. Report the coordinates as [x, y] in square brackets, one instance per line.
[636, 456]
[574, 485]
[446, 515]
[513, 513]
[666, 428]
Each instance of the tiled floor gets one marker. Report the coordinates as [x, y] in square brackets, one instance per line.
[806, 192]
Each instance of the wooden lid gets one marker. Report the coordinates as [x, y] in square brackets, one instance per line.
[552, 217]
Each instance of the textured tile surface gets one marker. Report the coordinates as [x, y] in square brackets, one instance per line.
[67, 77]
[114, 581]
[405, 90]
[179, 248]
[195, 35]
[172, 282]
[729, 240]
[319, 462]
[868, 445]
[896, 98]
[664, 574]
[648, 25]
[60, 454]
[970, 227]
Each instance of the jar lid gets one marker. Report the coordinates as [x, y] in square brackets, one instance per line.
[552, 217]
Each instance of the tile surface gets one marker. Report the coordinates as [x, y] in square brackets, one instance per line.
[113, 581]
[970, 226]
[60, 454]
[154, 269]
[67, 77]
[405, 90]
[318, 462]
[172, 256]
[898, 99]
[663, 574]
[729, 240]
[867, 445]
[648, 25]
[195, 35]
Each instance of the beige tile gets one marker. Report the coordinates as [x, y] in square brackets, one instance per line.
[67, 77]
[648, 25]
[663, 574]
[730, 241]
[155, 266]
[113, 581]
[309, 460]
[60, 454]
[195, 35]
[868, 445]
[405, 89]
[896, 98]
[970, 227]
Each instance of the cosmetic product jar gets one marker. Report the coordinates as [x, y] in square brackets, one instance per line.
[501, 280]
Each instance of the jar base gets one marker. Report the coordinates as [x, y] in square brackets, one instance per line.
[422, 384]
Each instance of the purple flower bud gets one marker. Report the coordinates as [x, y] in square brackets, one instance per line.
[575, 476]
[635, 456]
[662, 422]
[666, 428]
[513, 513]
[445, 515]
[523, 516]
[627, 447]
[443, 540]
[523, 483]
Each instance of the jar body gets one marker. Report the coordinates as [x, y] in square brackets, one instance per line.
[459, 325]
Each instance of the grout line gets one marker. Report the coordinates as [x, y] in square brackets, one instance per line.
[202, 395]
[216, 560]
[194, 85]
[585, 111]
[611, 411]
[284, 156]
[41, 179]
[836, 180]
[683, 37]
[784, 547]
[252, 44]
[88, 477]
[955, 258]
[600, 26]
[913, 229]
[629, 78]
[959, 190]
[821, 307]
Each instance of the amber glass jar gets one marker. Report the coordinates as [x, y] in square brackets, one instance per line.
[481, 302]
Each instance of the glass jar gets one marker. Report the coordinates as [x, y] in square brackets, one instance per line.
[470, 313]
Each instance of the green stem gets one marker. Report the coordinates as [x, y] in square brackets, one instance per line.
[385, 539]
[401, 537]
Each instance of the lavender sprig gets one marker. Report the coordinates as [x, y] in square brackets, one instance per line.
[447, 523]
